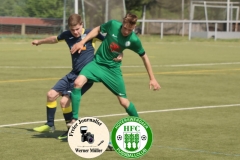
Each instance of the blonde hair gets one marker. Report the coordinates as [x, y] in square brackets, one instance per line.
[130, 19]
[74, 19]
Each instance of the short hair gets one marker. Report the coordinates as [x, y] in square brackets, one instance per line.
[74, 19]
[130, 19]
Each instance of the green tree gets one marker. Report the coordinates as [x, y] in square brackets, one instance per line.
[45, 8]
[13, 8]
[136, 6]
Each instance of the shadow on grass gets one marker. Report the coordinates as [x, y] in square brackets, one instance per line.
[34, 134]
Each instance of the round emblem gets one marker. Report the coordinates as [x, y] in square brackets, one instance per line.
[127, 43]
[131, 137]
[88, 137]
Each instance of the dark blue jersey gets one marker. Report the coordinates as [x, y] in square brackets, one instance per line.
[86, 56]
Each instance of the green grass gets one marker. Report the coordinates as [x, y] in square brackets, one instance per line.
[211, 78]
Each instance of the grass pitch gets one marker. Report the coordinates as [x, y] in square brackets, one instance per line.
[195, 115]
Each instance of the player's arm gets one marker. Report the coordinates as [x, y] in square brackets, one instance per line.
[49, 40]
[136, 46]
[79, 46]
[153, 82]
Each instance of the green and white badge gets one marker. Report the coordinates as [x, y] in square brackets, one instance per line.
[131, 137]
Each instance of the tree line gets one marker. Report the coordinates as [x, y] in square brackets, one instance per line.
[54, 8]
[165, 9]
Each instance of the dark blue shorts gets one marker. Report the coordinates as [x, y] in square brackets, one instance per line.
[66, 84]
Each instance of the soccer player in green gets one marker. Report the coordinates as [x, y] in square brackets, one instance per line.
[103, 69]
[64, 86]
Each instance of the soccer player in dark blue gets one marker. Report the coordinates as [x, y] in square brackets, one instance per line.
[64, 86]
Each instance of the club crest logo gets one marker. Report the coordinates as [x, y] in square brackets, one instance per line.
[127, 43]
[88, 137]
[131, 137]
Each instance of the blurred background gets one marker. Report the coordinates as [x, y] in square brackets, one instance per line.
[28, 17]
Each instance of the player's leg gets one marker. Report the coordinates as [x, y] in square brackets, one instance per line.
[113, 80]
[67, 113]
[129, 106]
[83, 90]
[58, 89]
[66, 105]
[51, 107]
[88, 75]
[76, 97]
[130, 109]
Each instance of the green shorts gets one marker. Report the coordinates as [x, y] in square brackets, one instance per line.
[110, 77]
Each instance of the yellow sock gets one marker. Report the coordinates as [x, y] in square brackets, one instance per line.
[67, 113]
[52, 104]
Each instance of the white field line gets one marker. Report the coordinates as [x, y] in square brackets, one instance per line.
[142, 112]
[134, 66]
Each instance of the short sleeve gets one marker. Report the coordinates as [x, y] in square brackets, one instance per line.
[137, 47]
[61, 36]
[105, 27]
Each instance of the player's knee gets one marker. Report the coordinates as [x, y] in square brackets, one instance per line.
[51, 96]
[64, 102]
[78, 83]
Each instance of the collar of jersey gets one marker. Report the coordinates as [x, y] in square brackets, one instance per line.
[83, 30]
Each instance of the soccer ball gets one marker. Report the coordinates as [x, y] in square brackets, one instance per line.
[144, 137]
[119, 137]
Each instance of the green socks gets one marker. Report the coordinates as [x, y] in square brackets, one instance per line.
[131, 110]
[75, 98]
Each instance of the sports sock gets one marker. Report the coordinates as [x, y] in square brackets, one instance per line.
[75, 98]
[67, 114]
[131, 110]
[51, 110]
[110, 138]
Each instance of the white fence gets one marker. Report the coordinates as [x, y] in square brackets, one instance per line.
[187, 28]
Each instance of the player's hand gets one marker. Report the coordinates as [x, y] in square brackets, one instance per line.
[77, 47]
[153, 84]
[35, 42]
[119, 58]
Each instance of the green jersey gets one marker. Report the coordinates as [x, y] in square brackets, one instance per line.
[114, 44]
